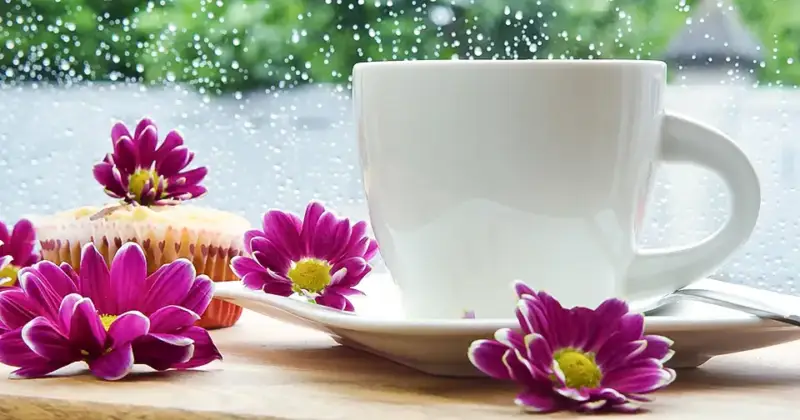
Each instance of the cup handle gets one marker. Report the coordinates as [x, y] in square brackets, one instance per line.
[665, 270]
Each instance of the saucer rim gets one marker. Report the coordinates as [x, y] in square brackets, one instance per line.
[332, 318]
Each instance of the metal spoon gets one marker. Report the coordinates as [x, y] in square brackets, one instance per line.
[734, 297]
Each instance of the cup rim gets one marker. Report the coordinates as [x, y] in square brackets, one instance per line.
[532, 63]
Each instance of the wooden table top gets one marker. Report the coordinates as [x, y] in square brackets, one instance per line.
[277, 371]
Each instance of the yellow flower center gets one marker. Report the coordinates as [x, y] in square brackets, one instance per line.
[107, 320]
[311, 275]
[580, 369]
[141, 177]
[8, 275]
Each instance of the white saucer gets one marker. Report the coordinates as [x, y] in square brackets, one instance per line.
[439, 347]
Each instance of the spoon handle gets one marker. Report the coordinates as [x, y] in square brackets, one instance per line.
[738, 302]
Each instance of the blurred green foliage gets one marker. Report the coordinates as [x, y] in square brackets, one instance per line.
[236, 45]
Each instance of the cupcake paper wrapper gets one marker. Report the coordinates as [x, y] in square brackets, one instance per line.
[210, 251]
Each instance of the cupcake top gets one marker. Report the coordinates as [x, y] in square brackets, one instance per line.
[187, 216]
[136, 222]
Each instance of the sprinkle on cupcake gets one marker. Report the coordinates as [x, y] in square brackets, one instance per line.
[140, 171]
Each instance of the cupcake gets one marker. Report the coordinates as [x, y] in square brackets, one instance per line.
[152, 185]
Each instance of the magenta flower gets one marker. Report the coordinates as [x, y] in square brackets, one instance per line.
[109, 319]
[576, 359]
[140, 171]
[17, 249]
[322, 257]
[5, 261]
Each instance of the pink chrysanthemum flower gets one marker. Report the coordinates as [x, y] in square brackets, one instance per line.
[17, 250]
[110, 319]
[140, 171]
[321, 257]
[576, 359]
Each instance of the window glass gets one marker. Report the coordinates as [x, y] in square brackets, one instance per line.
[260, 90]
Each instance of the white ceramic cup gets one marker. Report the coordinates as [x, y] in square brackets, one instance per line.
[478, 173]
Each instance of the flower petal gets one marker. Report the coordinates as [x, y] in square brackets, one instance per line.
[170, 287]
[627, 407]
[372, 249]
[185, 192]
[572, 393]
[4, 234]
[199, 296]
[171, 318]
[631, 327]
[531, 318]
[639, 380]
[40, 293]
[605, 322]
[86, 331]
[160, 355]
[95, 280]
[356, 247]
[14, 351]
[538, 351]
[44, 339]
[128, 274]
[538, 402]
[119, 130]
[205, 351]
[339, 240]
[283, 230]
[658, 347]
[113, 365]
[66, 311]
[249, 236]
[128, 327]
[268, 283]
[314, 211]
[141, 126]
[125, 157]
[69, 271]
[22, 241]
[590, 406]
[324, 240]
[611, 395]
[344, 291]
[59, 281]
[147, 139]
[335, 301]
[5, 260]
[518, 367]
[278, 288]
[617, 353]
[510, 338]
[556, 318]
[37, 370]
[172, 339]
[355, 268]
[104, 175]
[267, 254]
[171, 141]
[191, 177]
[15, 309]
[242, 266]
[521, 289]
[174, 161]
[487, 356]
